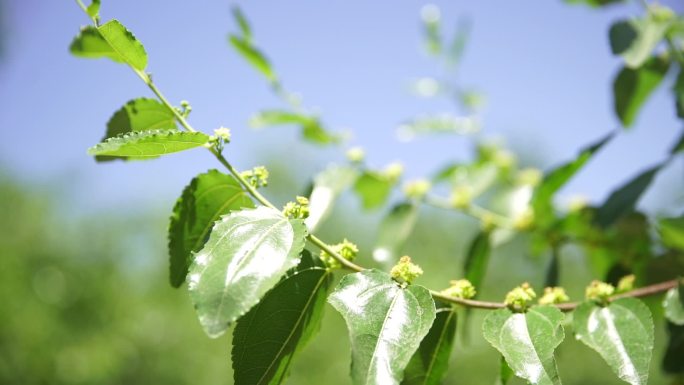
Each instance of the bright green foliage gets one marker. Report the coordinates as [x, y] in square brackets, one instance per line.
[672, 232]
[633, 86]
[595, 3]
[266, 339]
[94, 9]
[386, 324]
[149, 144]
[203, 202]
[328, 185]
[140, 114]
[257, 59]
[559, 176]
[674, 305]
[429, 364]
[527, 341]
[394, 230]
[622, 333]
[623, 200]
[124, 43]
[246, 254]
[505, 373]
[312, 129]
[636, 39]
[477, 258]
[373, 188]
[440, 124]
[89, 43]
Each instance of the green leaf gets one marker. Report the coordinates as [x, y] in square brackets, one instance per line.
[636, 39]
[672, 361]
[90, 44]
[266, 339]
[140, 114]
[477, 258]
[327, 186]
[595, 3]
[632, 87]
[458, 43]
[505, 373]
[312, 129]
[679, 99]
[386, 324]
[429, 364]
[124, 43]
[149, 144]
[672, 232]
[438, 124]
[246, 254]
[679, 145]
[204, 200]
[394, 230]
[94, 9]
[623, 200]
[242, 22]
[622, 333]
[527, 341]
[674, 306]
[373, 188]
[555, 179]
[250, 53]
[553, 270]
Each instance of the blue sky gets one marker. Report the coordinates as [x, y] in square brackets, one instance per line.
[545, 68]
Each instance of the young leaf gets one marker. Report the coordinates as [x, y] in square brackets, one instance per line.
[674, 305]
[672, 232]
[373, 188]
[430, 362]
[679, 145]
[311, 127]
[266, 339]
[386, 324]
[527, 341]
[244, 47]
[124, 43]
[394, 229]
[595, 3]
[246, 254]
[90, 44]
[94, 9]
[202, 203]
[149, 144]
[440, 124]
[622, 333]
[633, 86]
[679, 95]
[624, 199]
[559, 176]
[327, 186]
[635, 39]
[242, 22]
[475, 264]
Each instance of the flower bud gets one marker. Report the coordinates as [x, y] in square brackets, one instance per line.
[461, 288]
[599, 292]
[553, 295]
[298, 209]
[346, 250]
[417, 188]
[519, 298]
[356, 154]
[405, 270]
[626, 283]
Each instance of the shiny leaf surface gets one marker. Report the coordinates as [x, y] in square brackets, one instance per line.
[527, 341]
[246, 254]
[203, 202]
[622, 333]
[266, 339]
[386, 324]
[149, 144]
[124, 43]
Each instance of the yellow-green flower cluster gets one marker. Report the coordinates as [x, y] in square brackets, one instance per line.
[461, 196]
[599, 292]
[529, 177]
[417, 188]
[520, 298]
[626, 283]
[393, 171]
[222, 133]
[345, 249]
[298, 209]
[553, 295]
[405, 270]
[461, 288]
[356, 154]
[257, 177]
